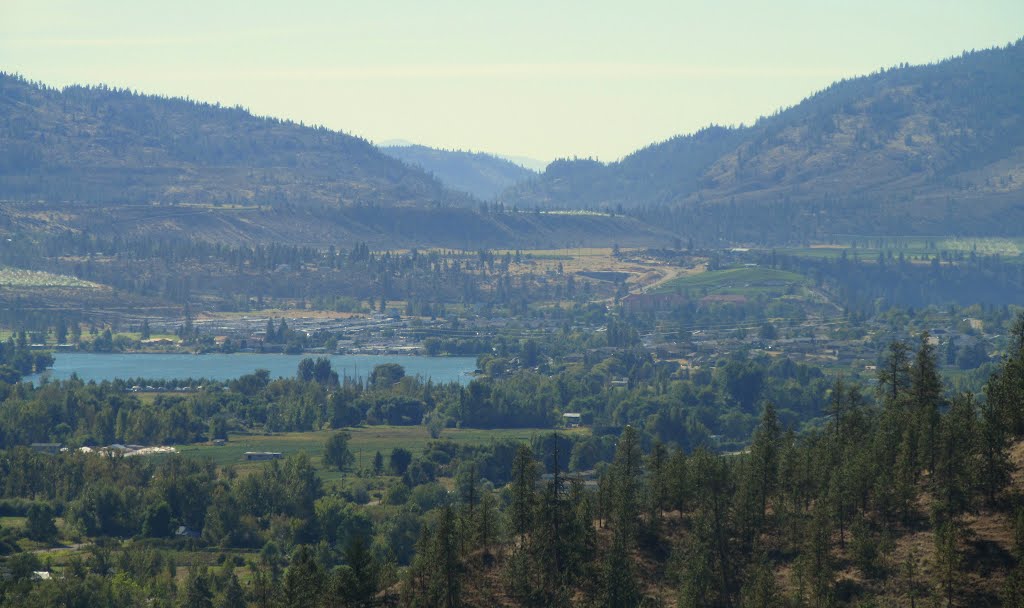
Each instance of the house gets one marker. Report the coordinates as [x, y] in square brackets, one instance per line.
[572, 419]
[47, 448]
[263, 455]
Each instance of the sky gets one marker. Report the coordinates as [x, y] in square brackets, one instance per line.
[551, 79]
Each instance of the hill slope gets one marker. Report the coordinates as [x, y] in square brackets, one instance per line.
[100, 145]
[110, 162]
[934, 149]
[482, 175]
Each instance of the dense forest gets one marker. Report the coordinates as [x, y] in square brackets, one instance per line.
[904, 493]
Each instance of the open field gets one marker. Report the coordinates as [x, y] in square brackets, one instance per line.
[18, 277]
[910, 247]
[742, 281]
[364, 443]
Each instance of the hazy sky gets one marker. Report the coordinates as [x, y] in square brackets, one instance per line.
[544, 79]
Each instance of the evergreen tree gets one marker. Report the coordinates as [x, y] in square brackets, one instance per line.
[233, 596]
[488, 523]
[525, 474]
[957, 463]
[197, 590]
[303, 580]
[926, 395]
[378, 463]
[948, 560]
[764, 455]
[626, 470]
[894, 373]
[760, 590]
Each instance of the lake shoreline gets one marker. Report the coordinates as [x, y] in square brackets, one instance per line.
[165, 366]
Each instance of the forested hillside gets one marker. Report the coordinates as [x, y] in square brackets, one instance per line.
[103, 145]
[931, 149]
[905, 494]
[482, 175]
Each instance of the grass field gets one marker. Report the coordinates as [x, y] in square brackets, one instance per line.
[364, 443]
[17, 277]
[869, 248]
[742, 281]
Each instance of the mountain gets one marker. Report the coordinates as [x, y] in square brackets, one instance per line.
[482, 175]
[381, 227]
[929, 149]
[532, 164]
[102, 145]
[109, 162]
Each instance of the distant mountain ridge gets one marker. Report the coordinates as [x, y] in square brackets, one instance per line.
[927, 149]
[96, 160]
[480, 174]
[102, 145]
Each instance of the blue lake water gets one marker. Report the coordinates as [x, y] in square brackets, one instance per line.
[99, 367]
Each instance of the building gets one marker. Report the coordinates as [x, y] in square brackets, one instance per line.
[263, 455]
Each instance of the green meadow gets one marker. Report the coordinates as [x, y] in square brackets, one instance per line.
[748, 281]
[364, 443]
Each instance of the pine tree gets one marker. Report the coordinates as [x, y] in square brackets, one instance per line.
[712, 475]
[365, 572]
[1001, 398]
[197, 590]
[525, 474]
[626, 470]
[926, 395]
[233, 595]
[445, 554]
[378, 463]
[303, 580]
[764, 455]
[894, 373]
[957, 462]
[815, 562]
[947, 557]
[488, 523]
[620, 586]
[657, 495]
[760, 590]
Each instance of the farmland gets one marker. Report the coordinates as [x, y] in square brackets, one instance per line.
[364, 443]
[18, 277]
[741, 281]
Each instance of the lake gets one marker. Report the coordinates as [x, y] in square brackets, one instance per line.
[219, 366]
